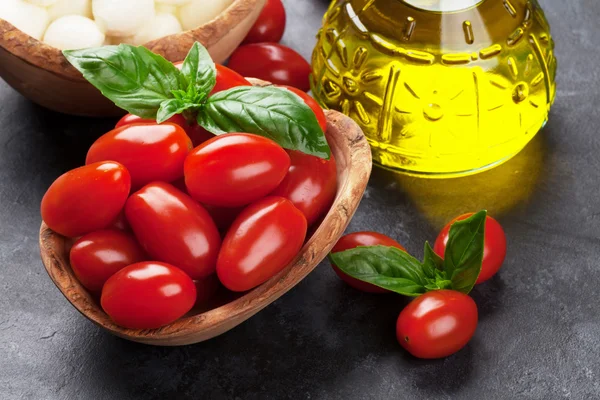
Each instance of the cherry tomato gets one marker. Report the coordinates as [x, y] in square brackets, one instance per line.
[95, 257]
[270, 24]
[357, 239]
[494, 246]
[150, 152]
[437, 324]
[226, 78]
[263, 239]
[196, 133]
[312, 103]
[223, 216]
[206, 288]
[235, 169]
[86, 199]
[173, 228]
[271, 62]
[311, 184]
[148, 295]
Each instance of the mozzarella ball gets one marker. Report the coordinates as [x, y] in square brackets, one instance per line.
[70, 7]
[199, 12]
[122, 17]
[42, 3]
[162, 8]
[74, 32]
[174, 2]
[26, 17]
[162, 25]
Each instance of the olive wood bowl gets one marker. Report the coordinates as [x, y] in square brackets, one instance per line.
[42, 74]
[353, 158]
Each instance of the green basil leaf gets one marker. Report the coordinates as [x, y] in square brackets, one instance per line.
[277, 114]
[134, 78]
[199, 70]
[386, 267]
[464, 251]
[431, 261]
[168, 108]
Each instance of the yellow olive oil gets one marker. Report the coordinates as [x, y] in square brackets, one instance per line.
[441, 88]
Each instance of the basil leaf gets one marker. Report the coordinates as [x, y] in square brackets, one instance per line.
[464, 251]
[386, 267]
[431, 261]
[170, 107]
[199, 70]
[134, 78]
[277, 114]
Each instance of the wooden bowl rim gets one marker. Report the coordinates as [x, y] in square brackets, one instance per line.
[51, 59]
[345, 137]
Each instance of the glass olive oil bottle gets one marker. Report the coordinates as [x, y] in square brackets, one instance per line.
[441, 88]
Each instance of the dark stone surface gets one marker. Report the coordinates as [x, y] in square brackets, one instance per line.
[539, 335]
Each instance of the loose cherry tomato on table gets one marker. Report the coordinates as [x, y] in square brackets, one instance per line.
[235, 169]
[437, 324]
[311, 184]
[356, 239]
[494, 246]
[196, 133]
[97, 256]
[86, 199]
[148, 295]
[269, 26]
[150, 152]
[312, 103]
[173, 228]
[271, 62]
[263, 239]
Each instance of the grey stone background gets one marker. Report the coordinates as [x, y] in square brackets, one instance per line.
[539, 331]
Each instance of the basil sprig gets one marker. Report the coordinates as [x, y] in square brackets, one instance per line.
[147, 85]
[397, 271]
[277, 114]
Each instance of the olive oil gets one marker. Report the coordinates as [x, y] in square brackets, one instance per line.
[440, 88]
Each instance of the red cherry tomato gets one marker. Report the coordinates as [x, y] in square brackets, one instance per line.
[437, 324]
[271, 62]
[235, 169]
[150, 152]
[270, 24]
[148, 295]
[206, 288]
[86, 199]
[263, 239]
[196, 133]
[312, 103]
[311, 184]
[357, 239]
[494, 246]
[227, 79]
[173, 228]
[95, 257]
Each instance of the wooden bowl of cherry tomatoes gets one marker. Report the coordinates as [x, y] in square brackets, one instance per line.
[176, 245]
